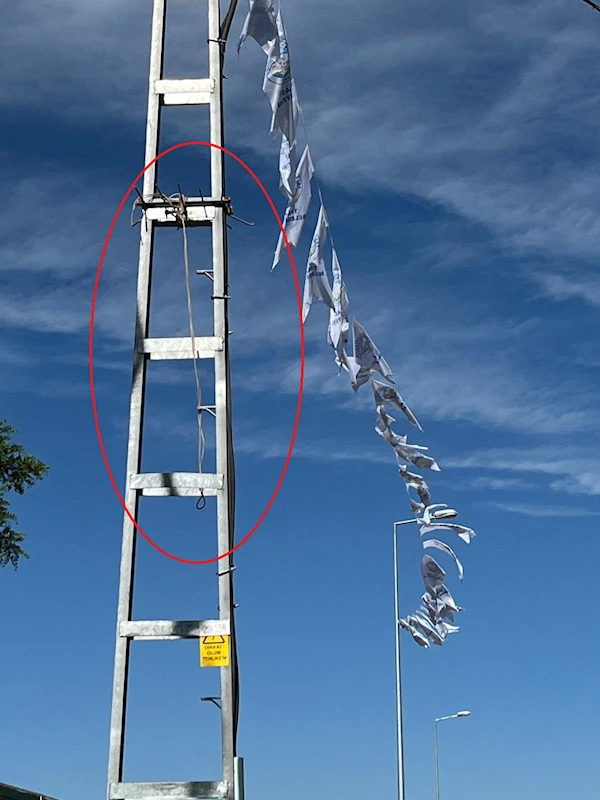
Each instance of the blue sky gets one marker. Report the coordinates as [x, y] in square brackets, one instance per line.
[456, 147]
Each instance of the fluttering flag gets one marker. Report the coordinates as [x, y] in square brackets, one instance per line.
[444, 596]
[433, 622]
[445, 628]
[358, 375]
[425, 625]
[339, 324]
[279, 86]
[260, 24]
[316, 282]
[385, 431]
[436, 609]
[433, 574]
[412, 454]
[415, 481]
[416, 634]
[464, 533]
[444, 547]
[439, 600]
[295, 214]
[367, 353]
[389, 396]
[415, 507]
[287, 170]
[434, 619]
[384, 421]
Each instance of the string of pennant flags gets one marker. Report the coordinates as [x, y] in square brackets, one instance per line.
[434, 620]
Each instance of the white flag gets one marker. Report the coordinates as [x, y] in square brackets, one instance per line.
[367, 353]
[445, 604]
[260, 24]
[389, 396]
[411, 453]
[444, 547]
[287, 170]
[297, 209]
[421, 620]
[387, 433]
[464, 533]
[445, 628]
[358, 375]
[415, 507]
[446, 598]
[384, 421]
[339, 324]
[417, 635]
[417, 482]
[413, 479]
[395, 439]
[433, 574]
[279, 86]
[428, 609]
[316, 282]
[295, 214]
[434, 607]
[424, 624]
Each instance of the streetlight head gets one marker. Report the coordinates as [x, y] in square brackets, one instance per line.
[444, 513]
[463, 714]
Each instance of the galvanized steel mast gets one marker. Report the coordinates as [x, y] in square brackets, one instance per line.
[201, 212]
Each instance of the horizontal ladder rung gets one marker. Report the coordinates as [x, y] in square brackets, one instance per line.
[169, 491]
[197, 215]
[185, 92]
[199, 211]
[165, 484]
[178, 347]
[192, 789]
[148, 629]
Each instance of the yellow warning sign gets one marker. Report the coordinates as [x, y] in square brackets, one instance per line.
[214, 651]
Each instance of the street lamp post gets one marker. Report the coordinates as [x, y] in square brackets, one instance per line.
[437, 761]
[442, 513]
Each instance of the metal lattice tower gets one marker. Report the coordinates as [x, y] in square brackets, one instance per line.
[210, 213]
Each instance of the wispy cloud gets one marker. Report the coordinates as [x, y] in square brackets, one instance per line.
[12, 354]
[568, 287]
[443, 374]
[571, 469]
[322, 450]
[487, 483]
[64, 239]
[507, 161]
[546, 511]
[384, 118]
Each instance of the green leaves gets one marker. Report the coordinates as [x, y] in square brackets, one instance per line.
[18, 472]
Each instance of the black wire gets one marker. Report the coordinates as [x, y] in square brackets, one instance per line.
[231, 494]
[227, 20]
[593, 5]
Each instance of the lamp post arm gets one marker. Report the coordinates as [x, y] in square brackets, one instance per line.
[404, 522]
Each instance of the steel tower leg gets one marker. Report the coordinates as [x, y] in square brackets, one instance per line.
[180, 92]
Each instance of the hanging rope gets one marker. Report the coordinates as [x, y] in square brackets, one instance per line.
[178, 206]
[186, 261]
